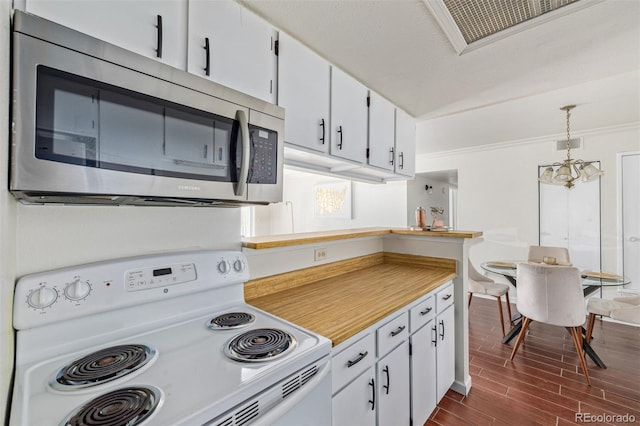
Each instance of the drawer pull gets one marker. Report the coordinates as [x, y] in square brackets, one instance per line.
[398, 330]
[447, 297]
[426, 311]
[386, 387]
[359, 358]
[372, 401]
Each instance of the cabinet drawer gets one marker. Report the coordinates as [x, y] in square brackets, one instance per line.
[392, 333]
[444, 298]
[422, 313]
[352, 361]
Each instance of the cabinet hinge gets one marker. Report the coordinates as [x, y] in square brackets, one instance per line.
[276, 47]
[368, 101]
[367, 153]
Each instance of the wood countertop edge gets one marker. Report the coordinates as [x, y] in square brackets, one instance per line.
[286, 240]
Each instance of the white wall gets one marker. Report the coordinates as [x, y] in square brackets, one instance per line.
[372, 205]
[497, 183]
[7, 218]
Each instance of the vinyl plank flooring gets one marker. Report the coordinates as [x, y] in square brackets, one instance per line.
[544, 384]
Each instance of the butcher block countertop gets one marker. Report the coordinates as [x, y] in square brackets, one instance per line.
[284, 240]
[341, 299]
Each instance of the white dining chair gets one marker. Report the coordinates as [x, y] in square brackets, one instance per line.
[482, 284]
[537, 254]
[623, 308]
[552, 295]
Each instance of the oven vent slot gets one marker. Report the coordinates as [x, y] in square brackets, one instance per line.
[226, 422]
[307, 375]
[246, 414]
[294, 384]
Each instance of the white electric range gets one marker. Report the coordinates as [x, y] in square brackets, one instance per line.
[161, 340]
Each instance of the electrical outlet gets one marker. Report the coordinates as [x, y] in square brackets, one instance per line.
[320, 254]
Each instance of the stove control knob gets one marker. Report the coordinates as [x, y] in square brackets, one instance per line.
[77, 290]
[238, 265]
[42, 297]
[223, 267]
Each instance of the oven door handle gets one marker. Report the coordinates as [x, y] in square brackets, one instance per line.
[324, 368]
[241, 185]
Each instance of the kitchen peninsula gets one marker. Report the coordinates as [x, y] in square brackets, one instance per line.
[343, 283]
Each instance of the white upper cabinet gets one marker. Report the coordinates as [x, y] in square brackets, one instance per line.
[303, 91]
[348, 117]
[232, 46]
[153, 28]
[405, 163]
[381, 132]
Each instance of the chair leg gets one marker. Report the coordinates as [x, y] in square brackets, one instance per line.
[590, 321]
[576, 332]
[470, 296]
[509, 308]
[525, 324]
[501, 315]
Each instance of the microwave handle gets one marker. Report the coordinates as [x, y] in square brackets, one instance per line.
[241, 185]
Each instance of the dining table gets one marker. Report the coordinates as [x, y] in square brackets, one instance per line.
[592, 281]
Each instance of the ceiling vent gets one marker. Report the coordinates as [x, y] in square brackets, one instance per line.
[562, 145]
[475, 23]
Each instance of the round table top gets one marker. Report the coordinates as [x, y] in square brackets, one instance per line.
[592, 278]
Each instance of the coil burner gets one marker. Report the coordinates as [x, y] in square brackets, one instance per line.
[127, 406]
[231, 320]
[261, 344]
[103, 366]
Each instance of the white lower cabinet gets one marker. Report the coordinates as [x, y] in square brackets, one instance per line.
[355, 405]
[413, 366]
[445, 357]
[392, 391]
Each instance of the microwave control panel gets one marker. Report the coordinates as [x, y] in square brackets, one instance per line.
[264, 155]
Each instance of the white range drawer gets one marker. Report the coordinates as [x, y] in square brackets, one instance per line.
[444, 298]
[422, 313]
[352, 361]
[392, 333]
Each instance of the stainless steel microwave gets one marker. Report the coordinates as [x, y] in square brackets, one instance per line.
[95, 123]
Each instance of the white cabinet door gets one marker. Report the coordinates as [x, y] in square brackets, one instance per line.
[405, 163]
[381, 132]
[393, 387]
[355, 405]
[348, 117]
[446, 356]
[303, 91]
[131, 24]
[423, 373]
[240, 50]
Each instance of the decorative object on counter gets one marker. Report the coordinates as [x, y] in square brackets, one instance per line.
[437, 223]
[569, 170]
[421, 218]
[429, 189]
[332, 200]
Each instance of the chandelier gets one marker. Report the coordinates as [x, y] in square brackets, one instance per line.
[569, 170]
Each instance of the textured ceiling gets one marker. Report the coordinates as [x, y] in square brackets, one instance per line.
[397, 48]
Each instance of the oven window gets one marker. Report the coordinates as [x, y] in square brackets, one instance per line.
[85, 122]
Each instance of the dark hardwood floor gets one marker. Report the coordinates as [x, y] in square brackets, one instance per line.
[544, 384]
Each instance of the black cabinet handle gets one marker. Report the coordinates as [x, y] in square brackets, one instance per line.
[372, 401]
[159, 37]
[401, 160]
[339, 144]
[207, 57]
[442, 332]
[426, 311]
[446, 297]
[434, 336]
[357, 359]
[392, 153]
[386, 387]
[398, 330]
[322, 125]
